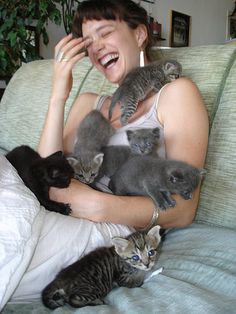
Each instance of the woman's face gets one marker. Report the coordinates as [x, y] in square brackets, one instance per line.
[114, 49]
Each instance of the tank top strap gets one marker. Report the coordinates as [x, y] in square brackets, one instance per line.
[156, 102]
[100, 101]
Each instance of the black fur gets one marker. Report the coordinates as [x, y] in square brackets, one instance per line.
[39, 174]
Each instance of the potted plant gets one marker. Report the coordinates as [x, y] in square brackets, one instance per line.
[22, 22]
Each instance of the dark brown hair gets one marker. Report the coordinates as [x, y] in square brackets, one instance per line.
[123, 10]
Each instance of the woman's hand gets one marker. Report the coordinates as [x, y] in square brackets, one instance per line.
[68, 52]
[84, 201]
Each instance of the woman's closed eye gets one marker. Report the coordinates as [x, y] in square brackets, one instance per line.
[106, 32]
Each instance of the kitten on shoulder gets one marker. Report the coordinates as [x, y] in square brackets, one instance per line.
[39, 174]
[140, 82]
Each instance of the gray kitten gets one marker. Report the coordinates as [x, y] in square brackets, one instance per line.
[93, 134]
[144, 141]
[141, 141]
[140, 82]
[90, 279]
[157, 178]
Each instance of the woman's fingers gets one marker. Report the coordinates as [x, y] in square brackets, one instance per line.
[69, 47]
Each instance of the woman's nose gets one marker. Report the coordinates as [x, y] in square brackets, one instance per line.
[97, 44]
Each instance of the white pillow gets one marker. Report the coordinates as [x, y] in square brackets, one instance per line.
[21, 220]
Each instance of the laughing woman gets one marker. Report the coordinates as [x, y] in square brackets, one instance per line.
[115, 32]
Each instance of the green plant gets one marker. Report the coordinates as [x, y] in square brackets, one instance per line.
[68, 10]
[17, 17]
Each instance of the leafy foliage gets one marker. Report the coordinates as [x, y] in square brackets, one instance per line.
[16, 44]
[68, 10]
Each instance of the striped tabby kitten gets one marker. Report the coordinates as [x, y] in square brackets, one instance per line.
[90, 279]
[93, 133]
[140, 82]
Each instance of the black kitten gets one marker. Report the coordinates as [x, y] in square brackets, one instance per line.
[39, 174]
[157, 178]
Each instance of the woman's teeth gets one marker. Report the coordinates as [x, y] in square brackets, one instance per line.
[108, 59]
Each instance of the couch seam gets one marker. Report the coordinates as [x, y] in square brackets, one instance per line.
[82, 83]
[222, 86]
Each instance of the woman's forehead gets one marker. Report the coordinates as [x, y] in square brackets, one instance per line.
[95, 26]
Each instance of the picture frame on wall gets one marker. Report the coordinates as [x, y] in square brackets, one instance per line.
[180, 29]
[231, 31]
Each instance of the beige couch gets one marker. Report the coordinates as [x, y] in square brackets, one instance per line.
[199, 261]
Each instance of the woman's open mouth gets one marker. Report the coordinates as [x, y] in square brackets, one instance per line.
[109, 60]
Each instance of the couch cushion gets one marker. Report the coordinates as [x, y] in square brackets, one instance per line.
[213, 69]
[218, 197]
[198, 278]
[25, 101]
[207, 66]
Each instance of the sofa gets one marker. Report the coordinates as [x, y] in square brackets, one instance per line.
[199, 261]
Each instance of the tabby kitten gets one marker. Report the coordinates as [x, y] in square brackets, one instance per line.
[140, 82]
[93, 134]
[90, 279]
[39, 174]
[141, 141]
[157, 178]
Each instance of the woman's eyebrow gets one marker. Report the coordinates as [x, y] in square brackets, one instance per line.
[100, 28]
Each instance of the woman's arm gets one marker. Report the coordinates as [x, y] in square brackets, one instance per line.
[52, 135]
[185, 121]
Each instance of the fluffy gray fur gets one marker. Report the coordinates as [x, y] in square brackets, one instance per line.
[141, 141]
[93, 134]
[140, 82]
[157, 178]
[90, 279]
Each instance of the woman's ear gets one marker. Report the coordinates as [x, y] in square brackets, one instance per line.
[141, 35]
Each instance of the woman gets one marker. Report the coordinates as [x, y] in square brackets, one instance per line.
[114, 33]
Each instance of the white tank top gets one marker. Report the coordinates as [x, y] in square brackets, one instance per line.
[148, 120]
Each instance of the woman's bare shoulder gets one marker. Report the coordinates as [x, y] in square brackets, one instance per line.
[184, 116]
[181, 96]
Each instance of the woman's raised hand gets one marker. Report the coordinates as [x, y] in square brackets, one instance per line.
[68, 52]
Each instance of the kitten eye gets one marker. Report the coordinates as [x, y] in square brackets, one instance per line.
[151, 253]
[80, 176]
[135, 258]
[93, 174]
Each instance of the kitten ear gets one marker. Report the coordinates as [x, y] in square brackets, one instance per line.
[176, 176]
[156, 132]
[129, 134]
[155, 232]
[58, 154]
[98, 159]
[169, 65]
[120, 244]
[72, 160]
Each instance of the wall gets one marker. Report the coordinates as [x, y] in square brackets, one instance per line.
[208, 18]
[208, 21]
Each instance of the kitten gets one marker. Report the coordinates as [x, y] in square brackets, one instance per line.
[140, 82]
[157, 178]
[141, 141]
[39, 174]
[93, 134]
[144, 141]
[90, 279]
